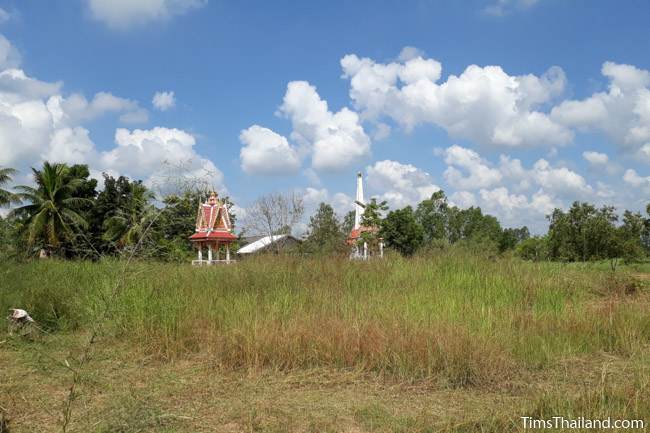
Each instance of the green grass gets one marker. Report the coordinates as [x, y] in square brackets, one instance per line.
[448, 321]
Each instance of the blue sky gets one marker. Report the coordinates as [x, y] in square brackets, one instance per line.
[517, 106]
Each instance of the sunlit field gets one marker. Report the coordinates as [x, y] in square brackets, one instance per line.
[444, 342]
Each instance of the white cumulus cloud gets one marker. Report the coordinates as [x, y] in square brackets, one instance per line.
[596, 158]
[163, 101]
[399, 184]
[622, 112]
[478, 172]
[267, 153]
[483, 104]
[333, 140]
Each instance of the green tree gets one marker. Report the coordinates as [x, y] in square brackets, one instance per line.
[371, 219]
[433, 215]
[535, 249]
[583, 233]
[511, 237]
[348, 222]
[472, 225]
[324, 235]
[7, 197]
[629, 238]
[127, 223]
[52, 216]
[401, 231]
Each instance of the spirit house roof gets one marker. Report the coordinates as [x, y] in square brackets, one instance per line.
[213, 221]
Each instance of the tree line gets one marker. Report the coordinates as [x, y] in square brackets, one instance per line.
[65, 214]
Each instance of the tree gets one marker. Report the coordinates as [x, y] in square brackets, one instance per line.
[371, 220]
[433, 215]
[510, 238]
[7, 197]
[274, 214]
[324, 234]
[629, 238]
[51, 215]
[348, 223]
[472, 225]
[127, 223]
[583, 233]
[535, 249]
[401, 231]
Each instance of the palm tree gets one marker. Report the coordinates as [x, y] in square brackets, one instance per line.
[127, 225]
[7, 197]
[51, 214]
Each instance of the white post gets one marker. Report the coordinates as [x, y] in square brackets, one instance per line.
[381, 249]
[200, 252]
[365, 251]
[227, 253]
[209, 254]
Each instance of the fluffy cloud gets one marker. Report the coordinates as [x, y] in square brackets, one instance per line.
[267, 153]
[517, 209]
[163, 101]
[123, 14]
[340, 202]
[595, 158]
[623, 112]
[483, 104]
[70, 145]
[399, 184]
[334, 140]
[479, 174]
[76, 108]
[145, 154]
[467, 170]
[631, 177]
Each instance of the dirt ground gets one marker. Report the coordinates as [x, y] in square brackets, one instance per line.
[121, 390]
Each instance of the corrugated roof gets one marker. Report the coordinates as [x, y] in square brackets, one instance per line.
[260, 243]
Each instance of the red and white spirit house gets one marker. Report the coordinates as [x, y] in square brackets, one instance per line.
[213, 230]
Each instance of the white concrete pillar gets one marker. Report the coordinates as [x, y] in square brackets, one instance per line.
[227, 253]
[209, 254]
[200, 252]
[381, 249]
[365, 251]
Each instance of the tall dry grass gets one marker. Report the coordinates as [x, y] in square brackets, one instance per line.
[459, 318]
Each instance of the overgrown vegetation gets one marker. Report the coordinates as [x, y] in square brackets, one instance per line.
[445, 320]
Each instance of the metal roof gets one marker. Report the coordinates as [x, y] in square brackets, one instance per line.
[260, 243]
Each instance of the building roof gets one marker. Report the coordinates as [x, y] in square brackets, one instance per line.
[213, 221]
[355, 234]
[261, 243]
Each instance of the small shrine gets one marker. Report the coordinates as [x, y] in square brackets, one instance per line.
[213, 231]
[356, 239]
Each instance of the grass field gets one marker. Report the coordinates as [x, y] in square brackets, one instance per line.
[450, 342]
